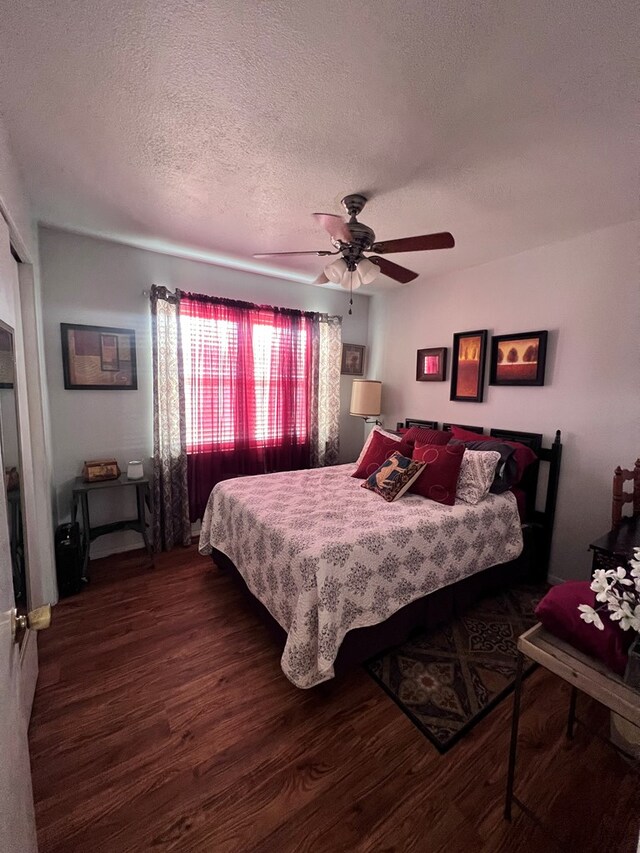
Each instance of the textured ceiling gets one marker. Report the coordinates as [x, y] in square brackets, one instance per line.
[220, 126]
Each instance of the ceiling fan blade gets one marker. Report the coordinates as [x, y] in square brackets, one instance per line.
[321, 279]
[335, 226]
[394, 271]
[321, 252]
[443, 240]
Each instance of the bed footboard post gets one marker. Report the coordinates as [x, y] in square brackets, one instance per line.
[552, 497]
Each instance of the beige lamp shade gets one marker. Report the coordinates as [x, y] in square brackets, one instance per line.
[366, 396]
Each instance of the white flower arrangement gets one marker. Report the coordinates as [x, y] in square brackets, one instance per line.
[619, 591]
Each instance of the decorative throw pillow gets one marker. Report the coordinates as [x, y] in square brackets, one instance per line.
[378, 449]
[438, 480]
[476, 475]
[523, 455]
[559, 614]
[467, 434]
[394, 477]
[425, 435]
[506, 474]
[393, 435]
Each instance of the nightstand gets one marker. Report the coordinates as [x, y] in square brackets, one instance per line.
[616, 547]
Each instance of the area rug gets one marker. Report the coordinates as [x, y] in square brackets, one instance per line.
[447, 680]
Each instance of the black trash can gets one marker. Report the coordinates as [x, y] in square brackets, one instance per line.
[69, 560]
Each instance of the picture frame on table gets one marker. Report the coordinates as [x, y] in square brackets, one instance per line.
[468, 365]
[352, 360]
[98, 358]
[431, 365]
[518, 359]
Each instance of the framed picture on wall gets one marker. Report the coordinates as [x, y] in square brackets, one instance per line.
[467, 369]
[352, 360]
[431, 365]
[518, 359]
[98, 358]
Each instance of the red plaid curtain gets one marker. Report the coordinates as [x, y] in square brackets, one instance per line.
[248, 391]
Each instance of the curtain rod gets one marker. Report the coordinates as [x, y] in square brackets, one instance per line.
[147, 291]
[162, 292]
[238, 303]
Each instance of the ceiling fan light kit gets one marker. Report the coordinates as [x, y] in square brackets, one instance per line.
[352, 239]
[339, 273]
[367, 272]
[335, 271]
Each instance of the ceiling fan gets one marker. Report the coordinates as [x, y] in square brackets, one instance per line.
[352, 239]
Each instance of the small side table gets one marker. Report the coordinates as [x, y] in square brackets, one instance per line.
[616, 547]
[139, 524]
[583, 673]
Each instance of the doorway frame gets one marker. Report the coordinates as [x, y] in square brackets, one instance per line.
[33, 409]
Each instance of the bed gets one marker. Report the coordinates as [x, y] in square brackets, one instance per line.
[340, 574]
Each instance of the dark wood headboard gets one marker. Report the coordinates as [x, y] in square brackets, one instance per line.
[417, 423]
[542, 520]
[447, 427]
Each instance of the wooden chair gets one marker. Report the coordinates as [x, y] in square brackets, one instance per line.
[620, 496]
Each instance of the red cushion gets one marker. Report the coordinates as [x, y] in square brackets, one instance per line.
[524, 455]
[439, 479]
[379, 450]
[559, 614]
[425, 435]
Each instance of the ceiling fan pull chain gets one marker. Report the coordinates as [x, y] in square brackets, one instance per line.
[350, 293]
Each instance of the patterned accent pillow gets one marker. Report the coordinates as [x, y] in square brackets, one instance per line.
[438, 480]
[394, 477]
[380, 448]
[476, 474]
[392, 435]
[507, 470]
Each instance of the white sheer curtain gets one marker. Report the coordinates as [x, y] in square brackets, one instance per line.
[171, 524]
[325, 401]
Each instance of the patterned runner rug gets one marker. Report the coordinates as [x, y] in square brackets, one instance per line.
[447, 680]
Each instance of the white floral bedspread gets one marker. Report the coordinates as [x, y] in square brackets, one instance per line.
[325, 556]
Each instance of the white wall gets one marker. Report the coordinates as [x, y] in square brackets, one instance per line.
[14, 201]
[97, 282]
[586, 292]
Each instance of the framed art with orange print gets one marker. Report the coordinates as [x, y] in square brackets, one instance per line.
[467, 369]
[518, 359]
[98, 358]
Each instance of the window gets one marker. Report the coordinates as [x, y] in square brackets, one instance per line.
[246, 377]
[267, 340]
[239, 390]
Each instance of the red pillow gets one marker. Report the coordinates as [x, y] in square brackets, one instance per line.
[467, 434]
[425, 435]
[379, 450]
[523, 455]
[559, 614]
[439, 479]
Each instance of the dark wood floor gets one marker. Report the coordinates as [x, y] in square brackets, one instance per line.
[162, 721]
